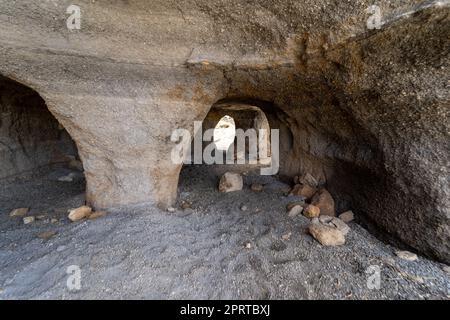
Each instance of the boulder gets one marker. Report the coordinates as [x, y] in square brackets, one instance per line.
[308, 179]
[327, 236]
[27, 220]
[311, 211]
[303, 190]
[230, 182]
[325, 202]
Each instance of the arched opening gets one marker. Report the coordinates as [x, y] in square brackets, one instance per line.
[237, 135]
[40, 168]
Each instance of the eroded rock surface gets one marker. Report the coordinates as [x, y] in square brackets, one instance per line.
[365, 112]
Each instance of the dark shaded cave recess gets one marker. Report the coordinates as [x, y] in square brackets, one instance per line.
[32, 141]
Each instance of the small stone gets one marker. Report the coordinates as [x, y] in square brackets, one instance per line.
[41, 217]
[303, 190]
[97, 214]
[79, 213]
[309, 180]
[327, 236]
[53, 220]
[27, 220]
[185, 205]
[406, 255]
[290, 205]
[325, 202]
[244, 208]
[257, 187]
[295, 211]
[67, 178]
[287, 236]
[171, 209]
[341, 225]
[61, 248]
[446, 269]
[19, 212]
[47, 235]
[347, 216]
[311, 211]
[248, 245]
[184, 213]
[230, 182]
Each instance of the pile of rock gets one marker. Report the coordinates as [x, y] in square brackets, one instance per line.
[320, 207]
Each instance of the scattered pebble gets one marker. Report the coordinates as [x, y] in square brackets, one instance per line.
[295, 211]
[303, 190]
[325, 202]
[79, 213]
[347, 216]
[47, 235]
[257, 187]
[19, 212]
[406, 255]
[287, 236]
[67, 178]
[27, 220]
[185, 205]
[171, 209]
[446, 269]
[311, 211]
[244, 208]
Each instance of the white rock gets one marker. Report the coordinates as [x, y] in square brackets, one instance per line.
[27, 220]
[230, 182]
[406, 255]
[171, 209]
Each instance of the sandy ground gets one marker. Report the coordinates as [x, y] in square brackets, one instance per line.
[212, 251]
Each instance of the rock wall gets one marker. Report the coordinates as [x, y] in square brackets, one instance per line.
[364, 111]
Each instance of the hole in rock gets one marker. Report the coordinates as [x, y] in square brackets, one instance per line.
[39, 164]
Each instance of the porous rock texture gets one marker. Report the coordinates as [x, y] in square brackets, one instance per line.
[366, 112]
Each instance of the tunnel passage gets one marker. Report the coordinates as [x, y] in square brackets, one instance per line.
[30, 136]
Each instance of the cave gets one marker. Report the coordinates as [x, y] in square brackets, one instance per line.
[98, 114]
[37, 155]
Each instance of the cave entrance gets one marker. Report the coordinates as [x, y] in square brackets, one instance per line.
[236, 133]
[40, 168]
